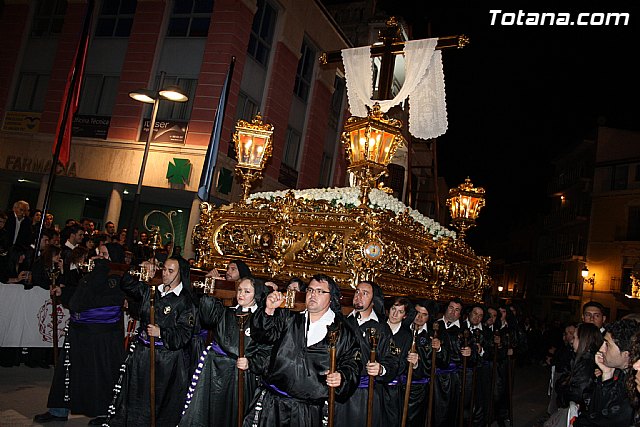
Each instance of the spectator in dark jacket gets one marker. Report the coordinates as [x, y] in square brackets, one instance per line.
[571, 386]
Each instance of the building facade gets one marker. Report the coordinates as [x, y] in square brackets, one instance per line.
[153, 43]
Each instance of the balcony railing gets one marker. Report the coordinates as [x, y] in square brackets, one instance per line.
[561, 290]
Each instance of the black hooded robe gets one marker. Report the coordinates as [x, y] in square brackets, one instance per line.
[174, 314]
[93, 350]
[213, 395]
[294, 392]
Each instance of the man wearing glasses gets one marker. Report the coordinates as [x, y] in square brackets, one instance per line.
[296, 383]
[593, 312]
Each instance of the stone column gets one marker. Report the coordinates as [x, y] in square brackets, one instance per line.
[115, 205]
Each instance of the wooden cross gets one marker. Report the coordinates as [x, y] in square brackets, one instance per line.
[389, 45]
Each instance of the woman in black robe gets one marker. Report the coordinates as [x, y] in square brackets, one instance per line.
[212, 397]
[174, 322]
[92, 352]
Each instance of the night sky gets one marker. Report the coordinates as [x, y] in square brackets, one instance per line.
[518, 96]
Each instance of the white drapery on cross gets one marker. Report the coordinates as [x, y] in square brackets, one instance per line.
[423, 85]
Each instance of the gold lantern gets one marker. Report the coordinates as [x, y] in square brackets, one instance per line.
[253, 142]
[370, 144]
[464, 204]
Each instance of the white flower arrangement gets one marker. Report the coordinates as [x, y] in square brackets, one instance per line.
[349, 197]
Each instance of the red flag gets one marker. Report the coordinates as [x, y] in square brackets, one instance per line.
[71, 97]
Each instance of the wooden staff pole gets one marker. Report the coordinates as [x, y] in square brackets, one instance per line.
[53, 275]
[463, 387]
[145, 276]
[475, 340]
[494, 372]
[241, 318]
[333, 332]
[407, 391]
[373, 343]
[509, 377]
[432, 379]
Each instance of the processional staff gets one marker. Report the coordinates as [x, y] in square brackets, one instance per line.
[373, 343]
[436, 335]
[53, 273]
[465, 335]
[507, 338]
[241, 318]
[333, 332]
[145, 276]
[494, 371]
[407, 391]
[475, 340]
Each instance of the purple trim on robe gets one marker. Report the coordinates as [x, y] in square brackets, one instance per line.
[403, 380]
[364, 381]
[158, 341]
[275, 389]
[216, 347]
[453, 368]
[110, 314]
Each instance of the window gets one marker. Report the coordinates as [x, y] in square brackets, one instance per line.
[247, 107]
[177, 110]
[291, 148]
[633, 223]
[31, 91]
[335, 111]
[619, 177]
[49, 18]
[116, 18]
[262, 30]
[325, 171]
[305, 71]
[190, 18]
[98, 95]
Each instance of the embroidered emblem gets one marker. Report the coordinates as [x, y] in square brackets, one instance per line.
[422, 341]
[112, 282]
[192, 320]
[247, 332]
[357, 356]
[167, 309]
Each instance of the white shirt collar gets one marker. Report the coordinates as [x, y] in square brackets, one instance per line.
[394, 328]
[70, 245]
[175, 290]
[422, 328]
[251, 308]
[318, 329]
[471, 327]
[456, 323]
[362, 319]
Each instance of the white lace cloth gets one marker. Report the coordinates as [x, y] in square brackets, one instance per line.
[423, 85]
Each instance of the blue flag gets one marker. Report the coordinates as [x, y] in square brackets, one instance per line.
[209, 165]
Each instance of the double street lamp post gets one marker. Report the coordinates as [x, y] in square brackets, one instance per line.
[148, 96]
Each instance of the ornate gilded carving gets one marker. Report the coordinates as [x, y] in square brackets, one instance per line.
[287, 236]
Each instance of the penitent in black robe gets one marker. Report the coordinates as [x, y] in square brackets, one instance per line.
[392, 393]
[93, 351]
[174, 314]
[294, 392]
[354, 412]
[213, 394]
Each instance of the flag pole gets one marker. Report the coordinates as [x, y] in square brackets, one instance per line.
[74, 86]
[204, 188]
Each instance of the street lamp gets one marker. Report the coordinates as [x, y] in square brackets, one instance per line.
[148, 96]
[464, 204]
[588, 280]
[253, 142]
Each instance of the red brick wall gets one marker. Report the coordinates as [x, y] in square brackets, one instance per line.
[137, 68]
[67, 46]
[278, 103]
[314, 140]
[228, 36]
[13, 24]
